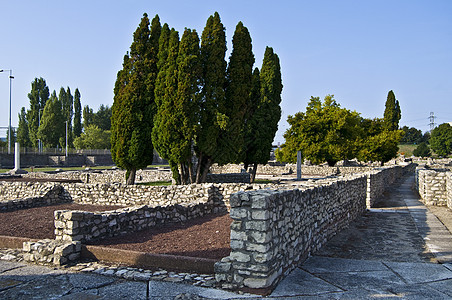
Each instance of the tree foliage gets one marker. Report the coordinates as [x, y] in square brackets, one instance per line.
[134, 107]
[93, 138]
[22, 132]
[327, 132]
[102, 118]
[52, 123]
[239, 77]
[422, 150]
[212, 118]
[392, 113]
[77, 129]
[441, 140]
[38, 97]
[411, 135]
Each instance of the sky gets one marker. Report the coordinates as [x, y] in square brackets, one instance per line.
[356, 50]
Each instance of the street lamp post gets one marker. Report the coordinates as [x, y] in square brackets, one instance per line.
[9, 126]
[66, 137]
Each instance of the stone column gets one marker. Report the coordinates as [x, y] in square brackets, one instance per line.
[16, 156]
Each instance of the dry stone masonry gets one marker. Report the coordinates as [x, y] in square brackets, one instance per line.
[49, 251]
[435, 185]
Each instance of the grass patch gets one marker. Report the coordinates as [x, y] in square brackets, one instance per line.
[155, 183]
[407, 149]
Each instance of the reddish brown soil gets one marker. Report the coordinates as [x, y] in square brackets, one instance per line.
[207, 237]
[37, 222]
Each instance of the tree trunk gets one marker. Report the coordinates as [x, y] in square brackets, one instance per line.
[198, 168]
[131, 179]
[190, 172]
[253, 174]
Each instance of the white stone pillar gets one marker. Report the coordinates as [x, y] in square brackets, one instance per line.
[16, 156]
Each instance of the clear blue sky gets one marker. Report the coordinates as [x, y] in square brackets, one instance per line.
[356, 50]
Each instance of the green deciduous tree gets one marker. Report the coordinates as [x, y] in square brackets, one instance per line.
[441, 140]
[238, 92]
[38, 97]
[134, 107]
[67, 108]
[325, 132]
[22, 132]
[77, 130]
[102, 118]
[411, 135]
[392, 113]
[93, 138]
[52, 123]
[422, 150]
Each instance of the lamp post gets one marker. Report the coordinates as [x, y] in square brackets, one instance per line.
[39, 124]
[9, 126]
[66, 137]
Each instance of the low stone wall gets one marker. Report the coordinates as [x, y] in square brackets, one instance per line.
[272, 231]
[20, 195]
[52, 251]
[105, 176]
[229, 178]
[85, 226]
[434, 185]
[379, 179]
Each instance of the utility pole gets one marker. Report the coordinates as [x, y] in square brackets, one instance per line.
[432, 121]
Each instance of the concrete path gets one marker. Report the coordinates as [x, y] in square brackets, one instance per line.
[398, 250]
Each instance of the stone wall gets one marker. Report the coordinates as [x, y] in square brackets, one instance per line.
[432, 185]
[20, 195]
[272, 231]
[229, 178]
[105, 176]
[379, 179]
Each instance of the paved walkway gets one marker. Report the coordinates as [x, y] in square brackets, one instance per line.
[398, 250]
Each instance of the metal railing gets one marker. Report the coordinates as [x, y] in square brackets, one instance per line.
[56, 151]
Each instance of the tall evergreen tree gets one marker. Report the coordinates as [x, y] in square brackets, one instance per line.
[392, 113]
[38, 97]
[67, 103]
[251, 125]
[22, 132]
[212, 117]
[133, 107]
[88, 116]
[77, 129]
[268, 113]
[239, 83]
[52, 123]
[165, 121]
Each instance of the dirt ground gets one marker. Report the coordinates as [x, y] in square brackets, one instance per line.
[37, 222]
[207, 237]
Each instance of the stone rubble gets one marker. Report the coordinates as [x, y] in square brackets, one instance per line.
[125, 272]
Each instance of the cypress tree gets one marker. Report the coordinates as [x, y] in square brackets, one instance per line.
[38, 97]
[133, 107]
[251, 125]
[239, 83]
[77, 129]
[52, 123]
[268, 113]
[22, 132]
[165, 120]
[212, 117]
[187, 102]
[392, 113]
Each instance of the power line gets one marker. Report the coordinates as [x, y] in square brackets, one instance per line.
[432, 121]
